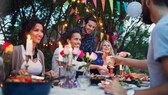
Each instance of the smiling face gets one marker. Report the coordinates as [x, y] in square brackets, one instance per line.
[75, 40]
[106, 47]
[36, 33]
[90, 27]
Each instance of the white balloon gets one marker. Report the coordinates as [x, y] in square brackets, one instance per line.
[134, 9]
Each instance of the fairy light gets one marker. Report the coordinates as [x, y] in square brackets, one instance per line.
[94, 16]
[1, 85]
[83, 1]
[78, 1]
[65, 24]
[101, 24]
[73, 0]
[87, 10]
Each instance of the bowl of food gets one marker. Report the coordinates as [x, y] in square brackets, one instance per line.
[26, 86]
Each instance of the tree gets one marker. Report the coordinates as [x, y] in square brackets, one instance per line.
[56, 13]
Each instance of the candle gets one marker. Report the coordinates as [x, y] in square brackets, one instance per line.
[29, 46]
[121, 67]
[70, 53]
[60, 48]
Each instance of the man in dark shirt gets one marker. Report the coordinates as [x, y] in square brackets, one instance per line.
[88, 42]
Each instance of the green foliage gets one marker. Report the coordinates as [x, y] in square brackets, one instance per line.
[132, 38]
[48, 59]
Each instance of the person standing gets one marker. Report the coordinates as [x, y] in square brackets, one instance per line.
[88, 42]
[155, 11]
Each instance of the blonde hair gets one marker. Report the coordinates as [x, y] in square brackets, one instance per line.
[101, 46]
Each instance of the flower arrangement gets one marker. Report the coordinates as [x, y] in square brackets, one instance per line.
[7, 49]
[88, 59]
[70, 55]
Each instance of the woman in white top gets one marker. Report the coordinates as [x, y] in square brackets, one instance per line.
[34, 28]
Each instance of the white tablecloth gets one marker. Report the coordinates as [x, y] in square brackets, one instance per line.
[91, 90]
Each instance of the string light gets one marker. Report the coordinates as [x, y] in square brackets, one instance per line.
[101, 24]
[83, 1]
[1, 85]
[78, 1]
[87, 10]
[51, 43]
[94, 16]
[65, 24]
[73, 0]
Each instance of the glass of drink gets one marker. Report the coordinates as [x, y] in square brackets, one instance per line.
[84, 82]
[110, 62]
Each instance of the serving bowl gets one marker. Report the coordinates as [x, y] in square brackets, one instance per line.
[21, 88]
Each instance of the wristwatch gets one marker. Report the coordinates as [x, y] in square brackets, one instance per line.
[131, 92]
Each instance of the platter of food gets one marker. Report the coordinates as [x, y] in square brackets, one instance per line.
[95, 79]
[26, 85]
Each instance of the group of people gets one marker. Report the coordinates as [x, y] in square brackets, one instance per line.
[157, 60]
[79, 38]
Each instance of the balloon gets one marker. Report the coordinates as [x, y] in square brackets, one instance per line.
[134, 9]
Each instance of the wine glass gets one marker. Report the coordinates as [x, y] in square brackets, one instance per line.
[110, 62]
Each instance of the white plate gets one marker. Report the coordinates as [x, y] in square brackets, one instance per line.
[145, 82]
[130, 86]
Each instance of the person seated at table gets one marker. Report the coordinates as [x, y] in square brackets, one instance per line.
[97, 66]
[35, 29]
[71, 36]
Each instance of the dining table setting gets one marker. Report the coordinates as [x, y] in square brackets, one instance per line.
[95, 85]
[85, 85]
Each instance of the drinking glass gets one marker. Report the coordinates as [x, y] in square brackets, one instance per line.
[84, 82]
[110, 63]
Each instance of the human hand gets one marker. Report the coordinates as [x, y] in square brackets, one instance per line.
[22, 72]
[114, 88]
[51, 74]
[100, 68]
[118, 60]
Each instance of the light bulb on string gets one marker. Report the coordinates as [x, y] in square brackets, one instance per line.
[73, 0]
[65, 24]
[101, 24]
[87, 10]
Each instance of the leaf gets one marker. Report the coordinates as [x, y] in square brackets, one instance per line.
[80, 67]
